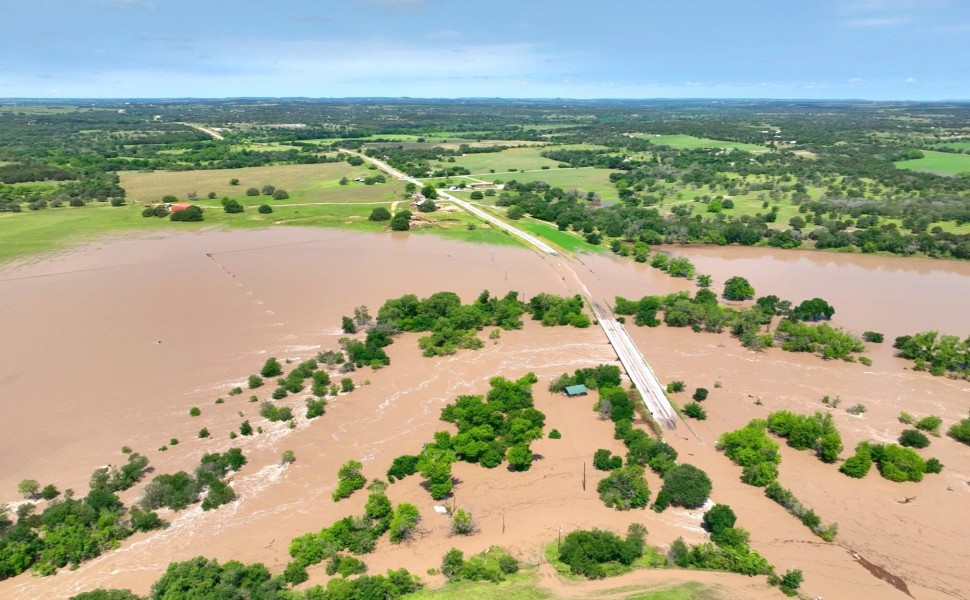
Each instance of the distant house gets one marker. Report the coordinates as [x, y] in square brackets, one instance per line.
[576, 390]
[476, 184]
[179, 207]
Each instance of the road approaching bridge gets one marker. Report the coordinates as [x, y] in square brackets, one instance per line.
[634, 364]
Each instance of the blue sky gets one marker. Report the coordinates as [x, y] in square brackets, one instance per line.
[871, 49]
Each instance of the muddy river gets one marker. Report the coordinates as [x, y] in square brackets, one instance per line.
[112, 343]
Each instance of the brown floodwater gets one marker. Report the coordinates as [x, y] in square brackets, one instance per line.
[110, 344]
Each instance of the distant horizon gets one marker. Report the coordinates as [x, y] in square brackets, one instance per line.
[146, 99]
[877, 50]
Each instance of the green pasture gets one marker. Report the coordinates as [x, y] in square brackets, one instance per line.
[689, 142]
[53, 229]
[567, 240]
[304, 183]
[487, 164]
[525, 586]
[962, 145]
[941, 163]
[586, 179]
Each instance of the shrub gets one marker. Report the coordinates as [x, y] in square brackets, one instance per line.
[462, 523]
[960, 431]
[897, 463]
[695, 410]
[346, 384]
[265, 209]
[555, 435]
[856, 409]
[718, 518]
[203, 433]
[280, 195]
[315, 408]
[933, 465]
[245, 428]
[402, 466]
[700, 395]
[675, 386]
[913, 439]
[268, 189]
[931, 424]
[194, 411]
[624, 488]
[790, 582]
[452, 562]
[349, 480]
[406, 518]
[271, 368]
[232, 207]
[906, 418]
[379, 214]
[858, 464]
[49, 492]
[873, 337]
[604, 460]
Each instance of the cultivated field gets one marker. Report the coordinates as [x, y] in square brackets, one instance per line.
[943, 163]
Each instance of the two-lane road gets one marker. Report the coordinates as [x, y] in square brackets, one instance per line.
[636, 367]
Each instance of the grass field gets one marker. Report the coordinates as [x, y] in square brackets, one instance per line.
[586, 179]
[312, 203]
[964, 145]
[304, 183]
[688, 142]
[524, 586]
[652, 558]
[942, 163]
[521, 159]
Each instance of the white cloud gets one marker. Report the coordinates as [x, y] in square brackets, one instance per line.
[911, 80]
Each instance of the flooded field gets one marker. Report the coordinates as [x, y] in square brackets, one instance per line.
[112, 343]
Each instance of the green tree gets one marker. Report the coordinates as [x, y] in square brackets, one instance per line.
[815, 309]
[738, 288]
[685, 485]
[379, 214]
[719, 518]
[401, 222]
[265, 209]
[252, 191]
[519, 457]
[280, 195]
[624, 488]
[271, 368]
[960, 431]
[349, 480]
[406, 518]
[232, 206]
[268, 190]
[452, 563]
[913, 439]
[462, 523]
[28, 488]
